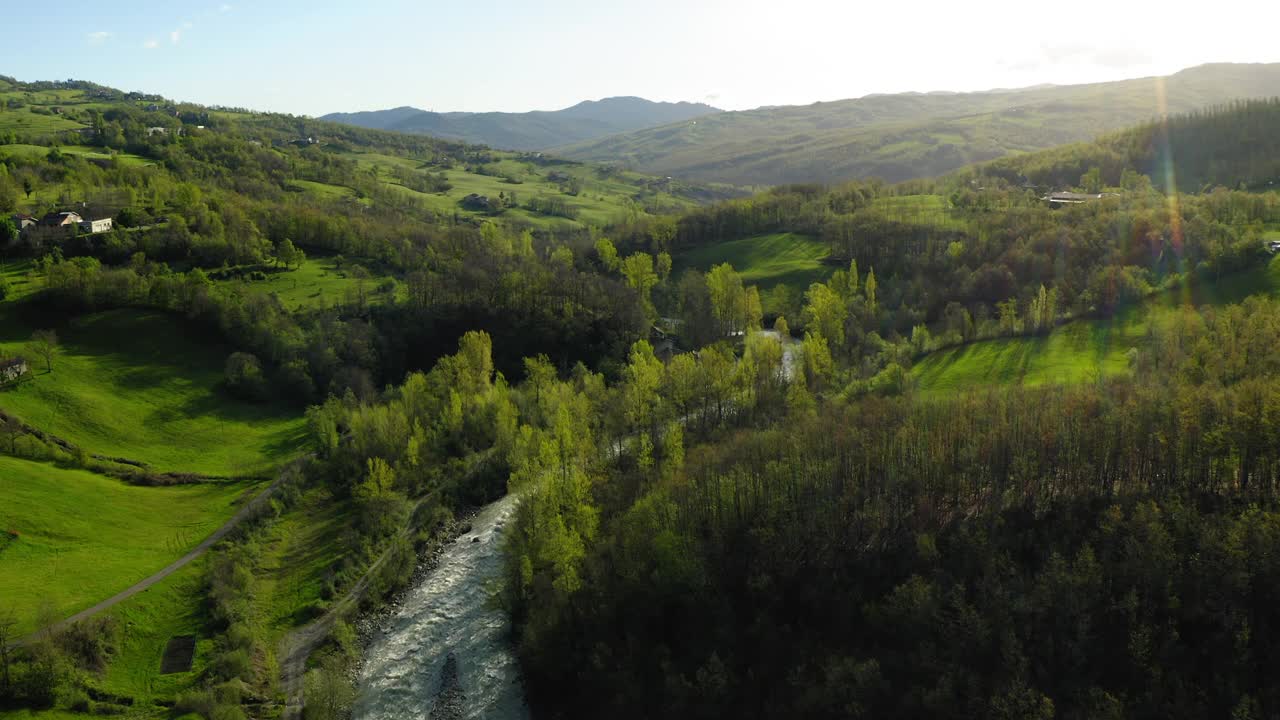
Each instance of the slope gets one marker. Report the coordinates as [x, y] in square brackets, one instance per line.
[911, 135]
[530, 130]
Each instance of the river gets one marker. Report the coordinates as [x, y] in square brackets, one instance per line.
[446, 632]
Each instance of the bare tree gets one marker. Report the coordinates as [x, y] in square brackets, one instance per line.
[44, 343]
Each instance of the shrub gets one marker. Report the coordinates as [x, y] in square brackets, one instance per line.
[244, 378]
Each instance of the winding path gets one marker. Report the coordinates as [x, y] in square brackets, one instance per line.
[240, 516]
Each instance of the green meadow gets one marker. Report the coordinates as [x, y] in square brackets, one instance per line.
[174, 606]
[1082, 350]
[599, 201]
[317, 282]
[144, 385]
[765, 260]
[82, 537]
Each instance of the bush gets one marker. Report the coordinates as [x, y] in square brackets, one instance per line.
[244, 378]
[78, 701]
[233, 664]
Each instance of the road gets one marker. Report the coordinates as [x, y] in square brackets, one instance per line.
[240, 516]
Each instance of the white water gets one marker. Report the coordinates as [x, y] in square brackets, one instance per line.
[448, 612]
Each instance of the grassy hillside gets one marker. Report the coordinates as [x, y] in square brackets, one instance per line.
[145, 386]
[1235, 145]
[898, 137]
[1083, 350]
[81, 537]
[765, 261]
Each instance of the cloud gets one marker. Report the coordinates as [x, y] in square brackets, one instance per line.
[99, 37]
[186, 25]
[175, 37]
[224, 8]
[151, 44]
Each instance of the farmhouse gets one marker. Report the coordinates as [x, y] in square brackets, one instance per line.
[22, 222]
[12, 369]
[65, 219]
[95, 226]
[1058, 199]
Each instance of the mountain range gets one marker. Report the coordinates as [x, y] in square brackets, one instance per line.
[912, 135]
[537, 130]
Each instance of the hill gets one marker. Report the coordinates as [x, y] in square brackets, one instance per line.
[1234, 145]
[537, 130]
[914, 135]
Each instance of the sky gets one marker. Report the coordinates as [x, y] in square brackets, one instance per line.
[319, 56]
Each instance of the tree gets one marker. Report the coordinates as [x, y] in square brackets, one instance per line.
[27, 187]
[243, 375]
[1091, 181]
[8, 625]
[8, 232]
[288, 254]
[608, 254]
[44, 344]
[638, 270]
[870, 287]
[826, 312]
[329, 692]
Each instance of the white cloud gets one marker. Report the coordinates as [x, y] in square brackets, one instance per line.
[186, 25]
[224, 8]
[175, 37]
[151, 44]
[99, 37]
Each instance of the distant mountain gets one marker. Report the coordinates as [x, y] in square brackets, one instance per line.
[536, 130]
[912, 135]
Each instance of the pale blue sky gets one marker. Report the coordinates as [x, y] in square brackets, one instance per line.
[323, 56]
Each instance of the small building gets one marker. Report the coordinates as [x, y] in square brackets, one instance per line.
[1273, 246]
[157, 131]
[95, 226]
[1058, 199]
[12, 369]
[65, 219]
[22, 221]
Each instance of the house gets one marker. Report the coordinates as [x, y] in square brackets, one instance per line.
[1273, 246]
[95, 226]
[157, 131]
[65, 219]
[1058, 199]
[12, 369]
[22, 221]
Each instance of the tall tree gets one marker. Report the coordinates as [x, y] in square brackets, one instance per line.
[44, 344]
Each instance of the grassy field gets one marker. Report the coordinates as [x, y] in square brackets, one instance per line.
[87, 153]
[82, 537]
[175, 606]
[764, 260]
[144, 385]
[296, 556]
[317, 282]
[599, 201]
[1081, 350]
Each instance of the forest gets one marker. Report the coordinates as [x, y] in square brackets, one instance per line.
[722, 511]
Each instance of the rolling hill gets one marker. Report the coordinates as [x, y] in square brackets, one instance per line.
[913, 135]
[536, 130]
